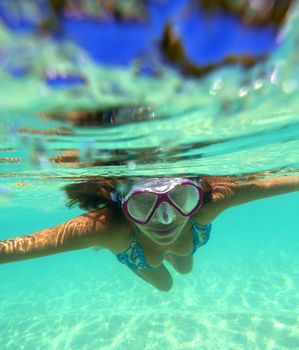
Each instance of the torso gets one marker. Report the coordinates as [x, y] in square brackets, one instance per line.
[121, 236]
[153, 252]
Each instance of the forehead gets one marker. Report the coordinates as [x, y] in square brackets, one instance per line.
[159, 184]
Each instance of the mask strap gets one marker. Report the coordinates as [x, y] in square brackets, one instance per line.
[117, 197]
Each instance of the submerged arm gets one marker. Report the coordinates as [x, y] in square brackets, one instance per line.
[243, 193]
[225, 194]
[81, 232]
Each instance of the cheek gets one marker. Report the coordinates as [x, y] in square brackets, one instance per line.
[182, 220]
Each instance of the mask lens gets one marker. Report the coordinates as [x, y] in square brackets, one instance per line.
[185, 197]
[140, 205]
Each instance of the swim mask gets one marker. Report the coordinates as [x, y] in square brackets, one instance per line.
[144, 198]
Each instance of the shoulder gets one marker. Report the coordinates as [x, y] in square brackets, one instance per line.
[111, 229]
[218, 187]
[217, 191]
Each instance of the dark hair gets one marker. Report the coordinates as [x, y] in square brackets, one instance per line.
[92, 194]
[96, 193]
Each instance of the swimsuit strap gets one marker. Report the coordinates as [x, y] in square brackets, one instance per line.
[201, 234]
[135, 233]
[133, 257]
[139, 251]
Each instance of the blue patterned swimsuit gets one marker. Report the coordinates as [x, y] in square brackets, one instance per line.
[134, 258]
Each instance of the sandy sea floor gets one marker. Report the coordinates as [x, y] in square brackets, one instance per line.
[242, 294]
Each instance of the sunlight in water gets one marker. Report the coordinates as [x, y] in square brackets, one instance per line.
[66, 117]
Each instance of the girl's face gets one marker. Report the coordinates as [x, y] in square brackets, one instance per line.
[165, 226]
[168, 218]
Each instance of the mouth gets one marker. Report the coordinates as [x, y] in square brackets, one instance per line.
[165, 232]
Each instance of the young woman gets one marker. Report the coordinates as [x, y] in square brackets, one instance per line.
[145, 221]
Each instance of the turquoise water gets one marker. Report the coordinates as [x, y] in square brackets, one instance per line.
[243, 292]
[232, 121]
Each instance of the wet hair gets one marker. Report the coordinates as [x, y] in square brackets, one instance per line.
[92, 194]
[97, 193]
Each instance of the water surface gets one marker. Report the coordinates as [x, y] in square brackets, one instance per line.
[243, 292]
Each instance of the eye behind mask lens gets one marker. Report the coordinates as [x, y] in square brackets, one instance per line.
[140, 205]
[186, 197]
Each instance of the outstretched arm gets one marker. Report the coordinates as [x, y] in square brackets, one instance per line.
[81, 232]
[242, 193]
[226, 194]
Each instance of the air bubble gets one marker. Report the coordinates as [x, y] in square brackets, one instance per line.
[131, 165]
[217, 85]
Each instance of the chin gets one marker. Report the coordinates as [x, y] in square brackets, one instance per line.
[165, 237]
[165, 240]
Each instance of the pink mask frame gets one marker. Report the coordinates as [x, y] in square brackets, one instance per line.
[162, 198]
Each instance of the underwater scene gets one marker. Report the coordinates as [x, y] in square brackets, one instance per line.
[103, 102]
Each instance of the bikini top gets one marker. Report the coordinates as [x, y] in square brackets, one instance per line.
[134, 258]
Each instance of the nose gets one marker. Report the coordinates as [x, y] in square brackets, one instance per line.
[165, 214]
